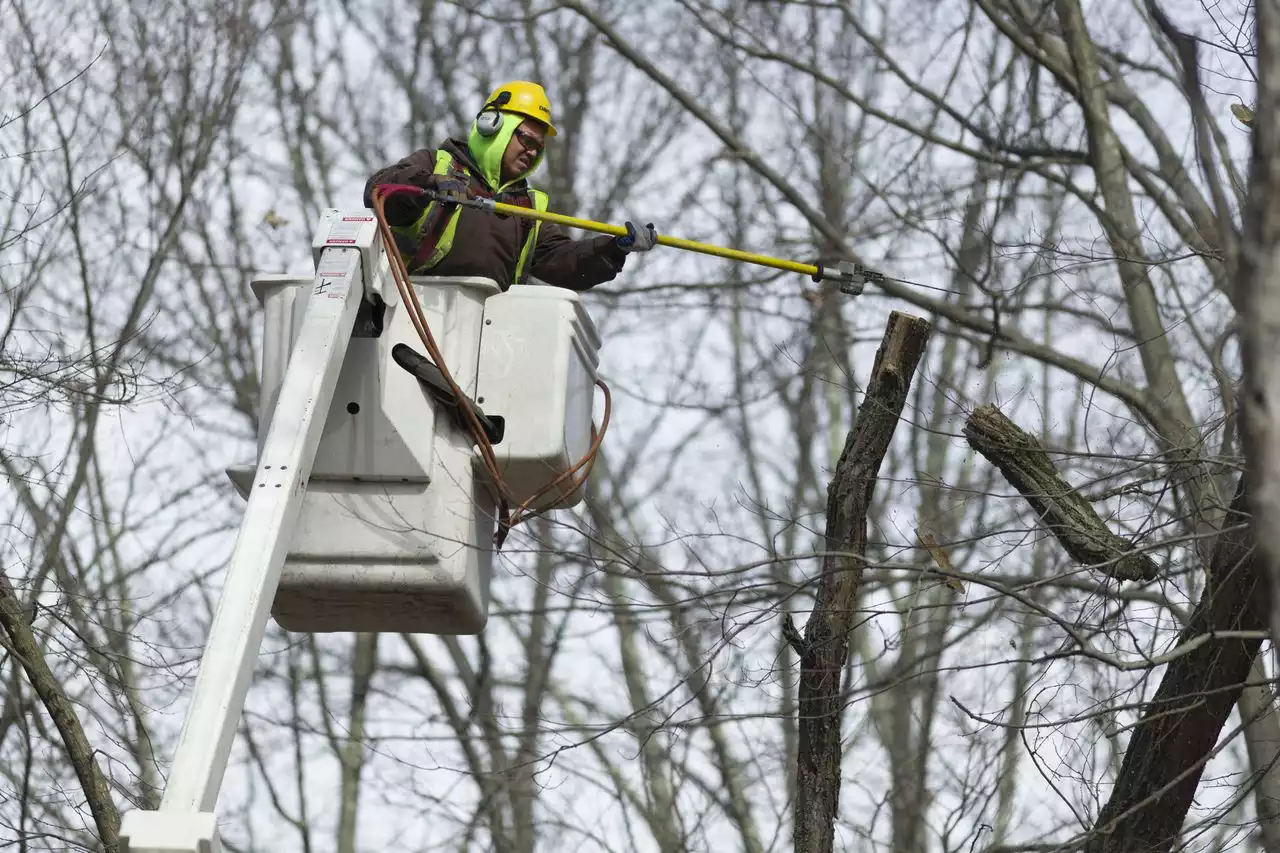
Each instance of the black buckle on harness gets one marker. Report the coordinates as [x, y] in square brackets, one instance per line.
[429, 375]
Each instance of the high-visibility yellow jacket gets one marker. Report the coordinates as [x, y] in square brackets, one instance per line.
[475, 242]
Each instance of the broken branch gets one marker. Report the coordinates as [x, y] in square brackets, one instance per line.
[1062, 510]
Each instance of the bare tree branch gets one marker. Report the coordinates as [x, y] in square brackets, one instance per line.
[97, 789]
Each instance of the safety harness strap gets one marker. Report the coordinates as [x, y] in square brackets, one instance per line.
[437, 218]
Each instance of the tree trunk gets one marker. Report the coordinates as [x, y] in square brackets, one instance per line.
[824, 648]
[1175, 421]
[364, 665]
[1259, 299]
[1262, 738]
[1260, 305]
[1180, 726]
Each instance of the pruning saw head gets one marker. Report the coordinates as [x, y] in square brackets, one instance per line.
[852, 278]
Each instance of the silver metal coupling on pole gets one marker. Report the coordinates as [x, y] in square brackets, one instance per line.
[851, 277]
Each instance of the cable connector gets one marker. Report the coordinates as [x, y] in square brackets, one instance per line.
[852, 277]
[447, 198]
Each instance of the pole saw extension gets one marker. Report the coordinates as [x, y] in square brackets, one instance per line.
[850, 276]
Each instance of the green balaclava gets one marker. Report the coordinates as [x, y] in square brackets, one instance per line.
[488, 151]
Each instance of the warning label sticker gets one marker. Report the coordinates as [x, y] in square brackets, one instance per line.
[333, 274]
[334, 264]
[346, 231]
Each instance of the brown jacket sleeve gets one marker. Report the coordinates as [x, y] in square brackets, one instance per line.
[414, 169]
[562, 261]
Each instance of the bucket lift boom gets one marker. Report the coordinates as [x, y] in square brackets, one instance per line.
[368, 508]
[347, 273]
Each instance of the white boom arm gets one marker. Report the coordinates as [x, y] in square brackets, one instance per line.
[185, 821]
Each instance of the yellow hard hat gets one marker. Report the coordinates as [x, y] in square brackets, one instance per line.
[523, 97]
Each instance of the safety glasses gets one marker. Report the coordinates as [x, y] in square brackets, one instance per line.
[529, 141]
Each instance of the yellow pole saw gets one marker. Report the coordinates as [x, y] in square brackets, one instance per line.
[850, 276]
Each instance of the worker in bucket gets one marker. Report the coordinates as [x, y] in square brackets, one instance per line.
[506, 144]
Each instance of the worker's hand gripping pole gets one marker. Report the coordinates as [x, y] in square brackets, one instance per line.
[185, 821]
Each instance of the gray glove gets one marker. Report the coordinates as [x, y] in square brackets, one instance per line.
[638, 239]
[405, 208]
[445, 185]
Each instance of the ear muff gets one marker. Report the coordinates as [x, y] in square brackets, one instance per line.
[488, 123]
[489, 119]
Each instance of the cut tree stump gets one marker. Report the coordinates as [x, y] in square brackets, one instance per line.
[824, 648]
